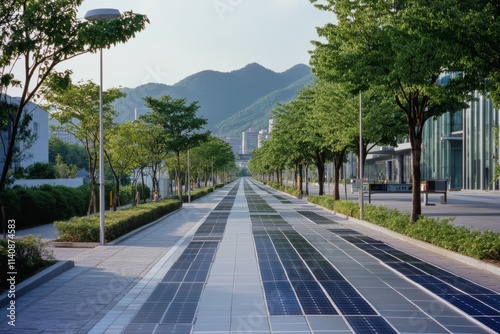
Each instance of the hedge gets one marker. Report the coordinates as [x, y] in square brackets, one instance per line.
[46, 204]
[117, 223]
[483, 245]
[31, 256]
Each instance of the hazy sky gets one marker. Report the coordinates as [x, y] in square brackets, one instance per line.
[188, 36]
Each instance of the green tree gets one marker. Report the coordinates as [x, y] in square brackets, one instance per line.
[180, 127]
[63, 170]
[387, 43]
[39, 35]
[74, 154]
[126, 148]
[473, 28]
[41, 170]
[290, 132]
[337, 123]
[215, 154]
[77, 112]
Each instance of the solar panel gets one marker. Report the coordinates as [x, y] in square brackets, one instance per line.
[280, 298]
[370, 324]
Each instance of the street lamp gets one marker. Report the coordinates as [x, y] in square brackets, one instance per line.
[360, 191]
[101, 14]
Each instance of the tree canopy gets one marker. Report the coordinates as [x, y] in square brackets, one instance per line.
[38, 35]
[180, 127]
[392, 45]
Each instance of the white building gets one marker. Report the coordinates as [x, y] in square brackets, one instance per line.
[39, 125]
[249, 141]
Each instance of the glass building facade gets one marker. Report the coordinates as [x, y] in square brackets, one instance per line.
[458, 146]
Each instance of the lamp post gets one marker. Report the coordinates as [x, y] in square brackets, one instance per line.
[360, 193]
[101, 14]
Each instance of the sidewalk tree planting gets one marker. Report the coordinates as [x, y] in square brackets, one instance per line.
[386, 43]
[180, 127]
[77, 112]
[37, 36]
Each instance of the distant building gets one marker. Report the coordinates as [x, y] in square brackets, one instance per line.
[65, 137]
[272, 123]
[235, 143]
[263, 136]
[39, 125]
[249, 141]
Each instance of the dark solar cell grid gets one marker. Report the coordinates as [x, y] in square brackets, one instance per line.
[490, 300]
[297, 271]
[312, 298]
[282, 199]
[280, 298]
[491, 322]
[470, 305]
[370, 324]
[324, 271]
[164, 293]
[175, 275]
[344, 231]
[150, 313]
[466, 285]
[318, 219]
[188, 292]
[406, 268]
[272, 271]
[431, 269]
[171, 329]
[139, 328]
[340, 289]
[180, 313]
[353, 306]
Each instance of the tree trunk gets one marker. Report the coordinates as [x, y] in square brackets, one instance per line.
[338, 160]
[178, 176]
[320, 164]
[116, 195]
[306, 165]
[416, 151]
[299, 180]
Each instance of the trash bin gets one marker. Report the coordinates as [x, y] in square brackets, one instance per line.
[441, 200]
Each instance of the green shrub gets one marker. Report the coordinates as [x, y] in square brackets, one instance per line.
[31, 256]
[286, 189]
[198, 193]
[37, 207]
[117, 223]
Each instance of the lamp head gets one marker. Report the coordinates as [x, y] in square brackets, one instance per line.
[102, 14]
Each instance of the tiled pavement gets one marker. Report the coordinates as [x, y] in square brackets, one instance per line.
[245, 260]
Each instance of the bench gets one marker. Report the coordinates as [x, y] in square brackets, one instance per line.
[427, 187]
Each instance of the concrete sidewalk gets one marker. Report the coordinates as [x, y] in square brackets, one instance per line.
[249, 259]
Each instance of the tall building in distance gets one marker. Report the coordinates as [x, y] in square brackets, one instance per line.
[263, 136]
[249, 141]
[272, 122]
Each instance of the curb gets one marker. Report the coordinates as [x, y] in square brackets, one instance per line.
[139, 229]
[37, 280]
[69, 244]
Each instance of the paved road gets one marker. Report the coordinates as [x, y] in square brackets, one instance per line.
[247, 259]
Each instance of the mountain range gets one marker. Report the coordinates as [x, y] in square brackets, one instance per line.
[231, 102]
